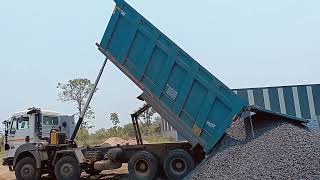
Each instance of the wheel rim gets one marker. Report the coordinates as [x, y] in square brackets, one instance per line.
[27, 171]
[141, 167]
[67, 170]
[178, 166]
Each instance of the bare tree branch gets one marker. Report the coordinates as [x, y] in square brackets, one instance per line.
[77, 91]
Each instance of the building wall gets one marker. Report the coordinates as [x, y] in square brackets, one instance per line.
[168, 131]
[302, 101]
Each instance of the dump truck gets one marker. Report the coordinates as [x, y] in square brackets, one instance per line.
[177, 87]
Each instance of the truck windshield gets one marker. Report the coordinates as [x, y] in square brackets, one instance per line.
[19, 123]
[50, 120]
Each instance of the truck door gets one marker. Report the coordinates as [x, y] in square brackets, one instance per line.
[19, 133]
[67, 125]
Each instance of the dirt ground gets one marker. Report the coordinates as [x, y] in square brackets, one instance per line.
[120, 174]
[5, 174]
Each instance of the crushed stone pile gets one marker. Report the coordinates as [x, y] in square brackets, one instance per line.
[134, 142]
[114, 141]
[276, 149]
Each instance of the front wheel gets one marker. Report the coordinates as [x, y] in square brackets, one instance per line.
[26, 169]
[67, 168]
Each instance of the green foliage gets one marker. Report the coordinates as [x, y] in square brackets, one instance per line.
[128, 130]
[1, 155]
[147, 116]
[82, 136]
[101, 133]
[1, 147]
[150, 133]
[114, 118]
[157, 139]
[150, 130]
[1, 140]
[77, 91]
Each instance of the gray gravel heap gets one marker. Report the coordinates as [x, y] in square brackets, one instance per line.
[278, 150]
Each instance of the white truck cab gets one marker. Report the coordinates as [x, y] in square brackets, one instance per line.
[33, 126]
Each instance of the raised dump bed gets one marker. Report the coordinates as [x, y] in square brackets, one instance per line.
[194, 102]
[182, 91]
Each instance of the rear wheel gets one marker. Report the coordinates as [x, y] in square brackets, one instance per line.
[178, 164]
[67, 168]
[26, 169]
[143, 165]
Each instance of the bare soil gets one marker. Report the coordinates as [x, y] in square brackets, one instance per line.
[5, 174]
[121, 174]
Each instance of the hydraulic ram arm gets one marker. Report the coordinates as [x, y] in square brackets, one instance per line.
[88, 102]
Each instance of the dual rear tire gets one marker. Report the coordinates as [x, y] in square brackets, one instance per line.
[176, 165]
[143, 165]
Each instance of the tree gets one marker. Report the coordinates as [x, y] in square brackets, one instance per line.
[83, 136]
[147, 116]
[101, 133]
[2, 142]
[157, 124]
[128, 130]
[77, 91]
[114, 118]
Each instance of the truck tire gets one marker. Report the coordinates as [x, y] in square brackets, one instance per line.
[177, 164]
[26, 169]
[143, 165]
[67, 168]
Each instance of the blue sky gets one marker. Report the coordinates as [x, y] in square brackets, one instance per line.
[245, 43]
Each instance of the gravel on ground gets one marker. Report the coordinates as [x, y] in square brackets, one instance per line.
[275, 149]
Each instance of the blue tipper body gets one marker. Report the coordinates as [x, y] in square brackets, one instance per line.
[183, 92]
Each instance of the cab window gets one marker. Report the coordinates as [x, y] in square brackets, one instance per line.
[23, 123]
[50, 120]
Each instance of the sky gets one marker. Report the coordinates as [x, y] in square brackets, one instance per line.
[245, 44]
